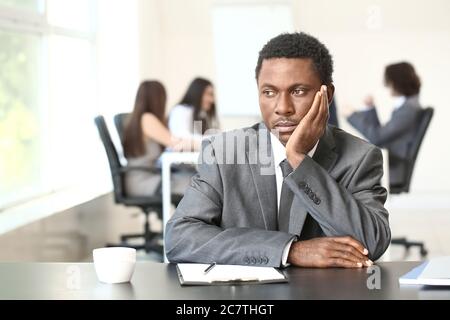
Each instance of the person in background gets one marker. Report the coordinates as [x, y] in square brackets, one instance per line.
[198, 104]
[146, 136]
[397, 134]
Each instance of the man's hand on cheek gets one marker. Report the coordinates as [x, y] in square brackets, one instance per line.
[309, 130]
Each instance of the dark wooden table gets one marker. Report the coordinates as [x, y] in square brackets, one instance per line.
[159, 281]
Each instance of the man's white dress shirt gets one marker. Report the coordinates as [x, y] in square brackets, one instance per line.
[279, 154]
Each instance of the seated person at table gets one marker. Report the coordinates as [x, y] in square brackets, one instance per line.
[290, 190]
[196, 113]
[399, 133]
[145, 137]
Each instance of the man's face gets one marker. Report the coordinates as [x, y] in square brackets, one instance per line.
[286, 92]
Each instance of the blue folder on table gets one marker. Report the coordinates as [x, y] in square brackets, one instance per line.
[435, 272]
[412, 277]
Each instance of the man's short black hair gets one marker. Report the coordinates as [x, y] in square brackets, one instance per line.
[299, 45]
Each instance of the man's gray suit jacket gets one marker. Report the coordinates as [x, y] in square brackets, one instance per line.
[229, 212]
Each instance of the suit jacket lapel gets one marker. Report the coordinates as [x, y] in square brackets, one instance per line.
[265, 183]
[264, 179]
[326, 157]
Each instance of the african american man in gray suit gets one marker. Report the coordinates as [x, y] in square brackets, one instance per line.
[290, 190]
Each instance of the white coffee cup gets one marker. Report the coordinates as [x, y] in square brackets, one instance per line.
[115, 264]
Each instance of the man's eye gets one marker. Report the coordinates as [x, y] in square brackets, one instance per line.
[298, 92]
[269, 93]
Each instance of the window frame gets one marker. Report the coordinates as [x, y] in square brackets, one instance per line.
[22, 20]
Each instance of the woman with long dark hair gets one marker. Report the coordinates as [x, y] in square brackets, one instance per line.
[396, 135]
[146, 136]
[197, 109]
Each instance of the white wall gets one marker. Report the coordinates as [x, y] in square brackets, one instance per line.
[177, 44]
[118, 55]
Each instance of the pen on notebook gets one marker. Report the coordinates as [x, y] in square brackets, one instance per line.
[209, 268]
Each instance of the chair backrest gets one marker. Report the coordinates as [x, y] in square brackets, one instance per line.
[120, 122]
[113, 158]
[424, 122]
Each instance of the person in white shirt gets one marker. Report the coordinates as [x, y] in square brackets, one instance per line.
[196, 112]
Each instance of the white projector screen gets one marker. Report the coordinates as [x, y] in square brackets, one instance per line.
[240, 31]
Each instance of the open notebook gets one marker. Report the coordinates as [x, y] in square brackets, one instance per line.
[193, 274]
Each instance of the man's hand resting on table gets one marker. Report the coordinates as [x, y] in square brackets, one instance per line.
[344, 252]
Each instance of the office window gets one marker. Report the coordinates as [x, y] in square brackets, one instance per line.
[32, 5]
[20, 111]
[47, 94]
[72, 79]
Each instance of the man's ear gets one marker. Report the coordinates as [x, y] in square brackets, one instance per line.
[330, 93]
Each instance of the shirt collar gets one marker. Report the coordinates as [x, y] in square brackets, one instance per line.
[399, 101]
[279, 151]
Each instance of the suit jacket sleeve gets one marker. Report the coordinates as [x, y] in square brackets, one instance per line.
[194, 232]
[355, 210]
[368, 124]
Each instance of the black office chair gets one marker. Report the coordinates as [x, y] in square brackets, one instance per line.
[425, 119]
[120, 121]
[146, 204]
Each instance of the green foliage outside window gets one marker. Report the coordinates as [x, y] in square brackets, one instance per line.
[19, 111]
